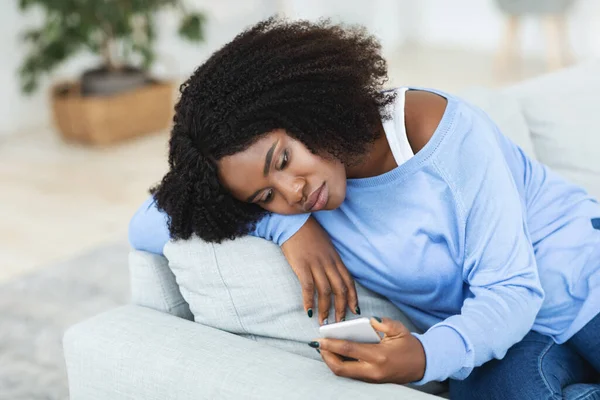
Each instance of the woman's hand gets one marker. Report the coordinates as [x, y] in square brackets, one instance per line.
[399, 358]
[318, 265]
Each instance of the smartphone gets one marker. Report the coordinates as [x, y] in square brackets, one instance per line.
[355, 330]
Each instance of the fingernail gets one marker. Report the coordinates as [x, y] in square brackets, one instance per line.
[309, 312]
[314, 345]
[378, 319]
[318, 351]
[357, 310]
[325, 322]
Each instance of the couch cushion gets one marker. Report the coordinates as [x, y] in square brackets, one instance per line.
[563, 114]
[506, 112]
[247, 287]
[153, 285]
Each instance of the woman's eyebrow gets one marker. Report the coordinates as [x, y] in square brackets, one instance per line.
[268, 160]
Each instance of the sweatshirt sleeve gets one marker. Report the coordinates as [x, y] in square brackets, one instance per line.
[279, 228]
[499, 266]
[149, 230]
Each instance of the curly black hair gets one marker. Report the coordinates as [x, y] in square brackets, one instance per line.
[320, 82]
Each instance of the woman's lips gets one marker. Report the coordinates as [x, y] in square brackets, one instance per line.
[318, 199]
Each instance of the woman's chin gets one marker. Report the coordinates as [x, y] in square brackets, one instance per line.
[334, 202]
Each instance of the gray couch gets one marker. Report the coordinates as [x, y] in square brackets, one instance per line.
[226, 321]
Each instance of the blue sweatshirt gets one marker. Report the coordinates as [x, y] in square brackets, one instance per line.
[474, 241]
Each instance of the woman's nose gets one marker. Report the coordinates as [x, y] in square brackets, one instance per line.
[293, 191]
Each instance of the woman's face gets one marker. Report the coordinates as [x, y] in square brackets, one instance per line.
[282, 176]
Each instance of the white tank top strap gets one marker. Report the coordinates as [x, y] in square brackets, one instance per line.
[395, 130]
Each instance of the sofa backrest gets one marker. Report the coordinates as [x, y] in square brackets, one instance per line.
[153, 285]
[562, 111]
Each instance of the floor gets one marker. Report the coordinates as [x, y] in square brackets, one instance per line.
[58, 199]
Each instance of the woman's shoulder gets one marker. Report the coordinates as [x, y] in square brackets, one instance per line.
[423, 112]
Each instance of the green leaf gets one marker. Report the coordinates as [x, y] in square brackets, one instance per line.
[32, 35]
[29, 85]
[24, 4]
[192, 27]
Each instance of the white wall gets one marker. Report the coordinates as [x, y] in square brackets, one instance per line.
[13, 106]
[469, 24]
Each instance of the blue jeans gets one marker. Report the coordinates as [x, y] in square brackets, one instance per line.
[537, 368]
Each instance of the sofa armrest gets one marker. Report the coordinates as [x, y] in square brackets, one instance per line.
[134, 352]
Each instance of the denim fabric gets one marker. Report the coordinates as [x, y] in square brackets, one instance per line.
[587, 342]
[537, 368]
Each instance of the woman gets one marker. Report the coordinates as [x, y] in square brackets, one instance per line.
[284, 133]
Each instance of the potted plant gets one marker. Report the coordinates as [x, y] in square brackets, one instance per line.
[117, 99]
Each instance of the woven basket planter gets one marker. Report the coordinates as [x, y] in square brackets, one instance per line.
[102, 120]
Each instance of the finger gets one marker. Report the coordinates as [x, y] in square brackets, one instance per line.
[351, 296]
[349, 369]
[323, 290]
[308, 288]
[338, 286]
[389, 327]
[359, 351]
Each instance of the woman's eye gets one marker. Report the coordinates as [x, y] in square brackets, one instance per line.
[284, 160]
[269, 196]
